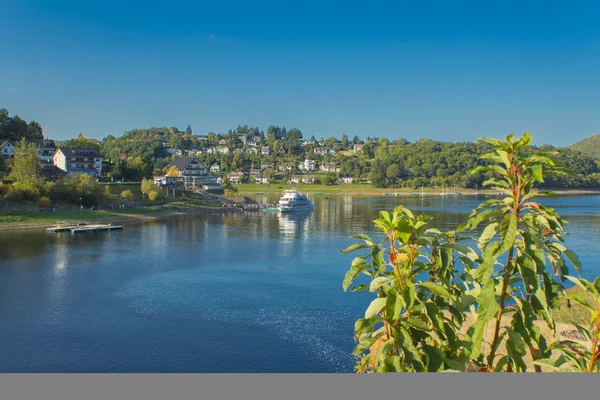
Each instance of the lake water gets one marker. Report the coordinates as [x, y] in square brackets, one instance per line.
[210, 293]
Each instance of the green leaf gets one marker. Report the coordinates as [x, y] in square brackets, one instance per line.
[358, 288]
[358, 265]
[364, 237]
[380, 281]
[574, 259]
[375, 307]
[409, 295]
[488, 307]
[487, 235]
[435, 288]
[509, 232]
[354, 247]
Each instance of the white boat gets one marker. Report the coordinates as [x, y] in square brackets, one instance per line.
[293, 200]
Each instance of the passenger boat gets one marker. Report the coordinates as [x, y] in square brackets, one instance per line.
[293, 200]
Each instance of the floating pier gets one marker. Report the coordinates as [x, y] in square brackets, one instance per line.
[85, 228]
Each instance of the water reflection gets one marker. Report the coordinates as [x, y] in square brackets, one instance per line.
[295, 225]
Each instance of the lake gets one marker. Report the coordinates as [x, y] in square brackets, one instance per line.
[211, 293]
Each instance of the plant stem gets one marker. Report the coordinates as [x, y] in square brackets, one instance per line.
[505, 280]
[594, 345]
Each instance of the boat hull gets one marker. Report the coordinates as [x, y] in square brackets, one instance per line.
[295, 209]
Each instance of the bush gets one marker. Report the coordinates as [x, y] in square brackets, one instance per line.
[43, 202]
[14, 194]
[127, 195]
[155, 196]
[3, 189]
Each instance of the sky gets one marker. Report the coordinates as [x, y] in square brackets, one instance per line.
[444, 70]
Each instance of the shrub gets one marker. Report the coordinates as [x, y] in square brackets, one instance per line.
[43, 202]
[3, 189]
[428, 284]
[155, 196]
[127, 195]
[15, 194]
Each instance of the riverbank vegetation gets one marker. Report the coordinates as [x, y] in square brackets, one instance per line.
[480, 297]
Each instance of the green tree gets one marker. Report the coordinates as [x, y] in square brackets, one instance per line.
[25, 170]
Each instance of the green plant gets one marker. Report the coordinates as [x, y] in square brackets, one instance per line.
[577, 356]
[127, 195]
[43, 202]
[433, 284]
[155, 195]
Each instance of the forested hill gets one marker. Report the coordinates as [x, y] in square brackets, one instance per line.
[589, 146]
[143, 153]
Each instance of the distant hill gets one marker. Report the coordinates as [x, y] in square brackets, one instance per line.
[589, 146]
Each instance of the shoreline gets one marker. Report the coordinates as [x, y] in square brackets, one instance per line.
[150, 215]
[122, 220]
[356, 189]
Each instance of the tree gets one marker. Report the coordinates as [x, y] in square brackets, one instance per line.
[393, 173]
[127, 195]
[81, 142]
[293, 135]
[345, 141]
[147, 186]
[25, 169]
[35, 131]
[173, 171]
[188, 130]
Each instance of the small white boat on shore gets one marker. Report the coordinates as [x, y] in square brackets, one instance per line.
[293, 200]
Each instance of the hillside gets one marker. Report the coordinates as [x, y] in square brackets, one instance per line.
[589, 146]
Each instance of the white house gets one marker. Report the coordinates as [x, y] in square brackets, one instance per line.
[211, 150]
[330, 167]
[78, 161]
[236, 176]
[190, 169]
[346, 178]
[358, 148]
[296, 179]
[251, 143]
[222, 142]
[215, 167]
[321, 151]
[265, 151]
[7, 148]
[308, 165]
[286, 166]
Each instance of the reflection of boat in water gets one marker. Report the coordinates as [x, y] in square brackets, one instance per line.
[293, 201]
[295, 225]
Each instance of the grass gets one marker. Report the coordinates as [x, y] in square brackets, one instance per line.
[571, 311]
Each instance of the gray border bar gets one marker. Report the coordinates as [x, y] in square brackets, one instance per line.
[461, 386]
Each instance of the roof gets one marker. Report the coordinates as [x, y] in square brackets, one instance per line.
[79, 152]
[51, 170]
[182, 162]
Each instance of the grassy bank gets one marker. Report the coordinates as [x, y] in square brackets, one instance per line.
[32, 219]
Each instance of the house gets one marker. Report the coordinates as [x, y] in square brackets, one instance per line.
[251, 143]
[78, 161]
[347, 178]
[202, 137]
[308, 165]
[302, 179]
[265, 151]
[7, 148]
[330, 167]
[190, 169]
[281, 150]
[222, 150]
[178, 152]
[321, 151]
[286, 166]
[236, 176]
[252, 150]
[222, 142]
[45, 149]
[211, 150]
[215, 167]
[266, 165]
[242, 137]
[358, 148]
[257, 176]
[239, 151]
[51, 172]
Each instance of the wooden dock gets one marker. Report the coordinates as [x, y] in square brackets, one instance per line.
[85, 228]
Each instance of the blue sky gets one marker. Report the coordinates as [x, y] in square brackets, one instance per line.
[438, 69]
